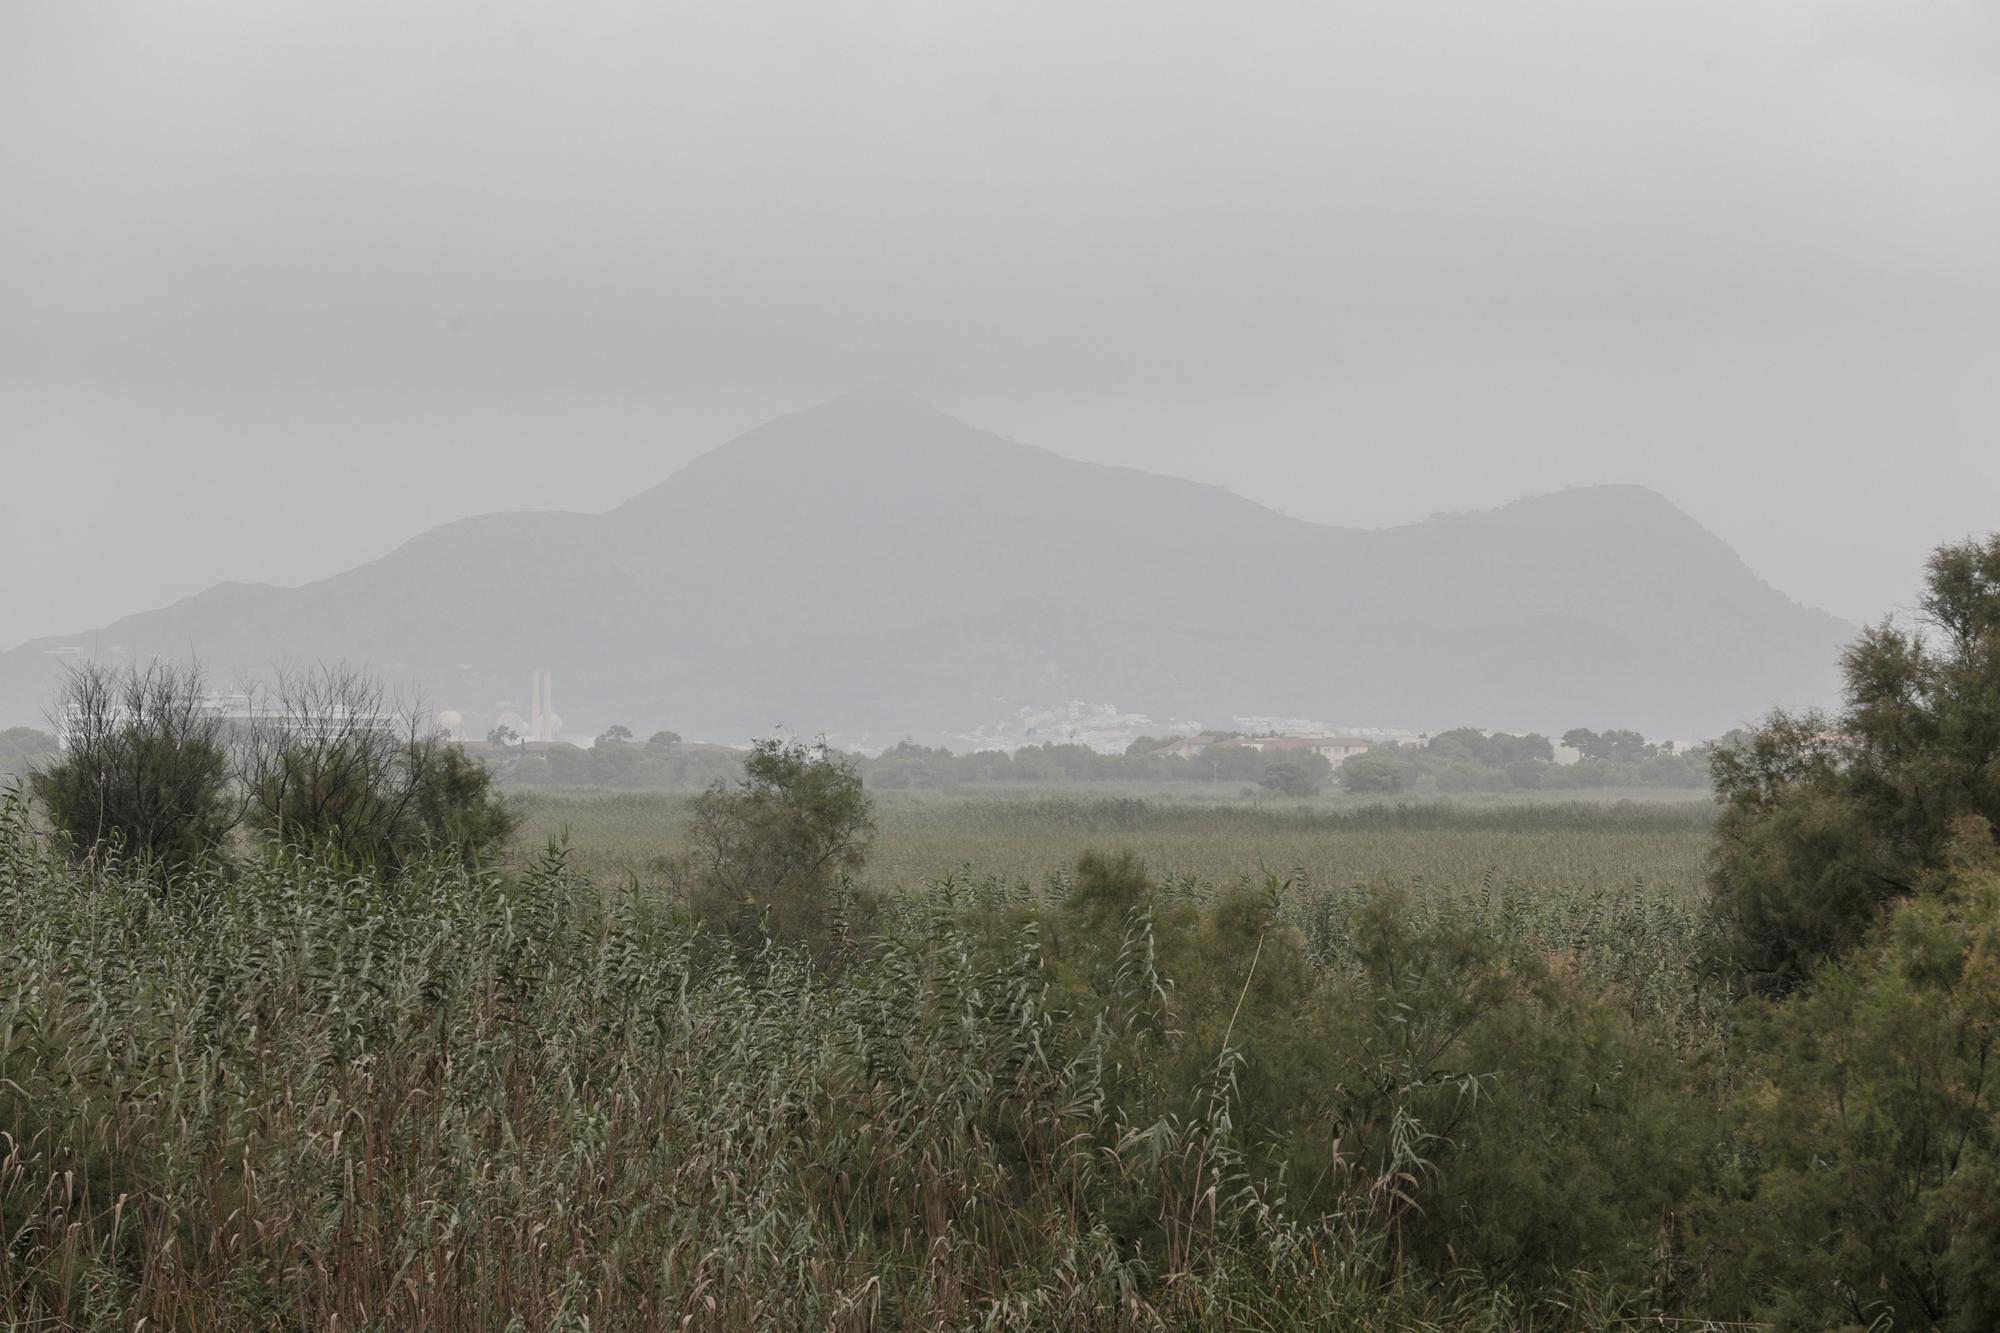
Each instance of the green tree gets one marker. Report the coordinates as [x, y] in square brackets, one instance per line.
[1873, 1120]
[1611, 747]
[453, 802]
[768, 853]
[1378, 772]
[663, 740]
[1290, 778]
[615, 734]
[1499, 750]
[1827, 821]
[143, 767]
[333, 764]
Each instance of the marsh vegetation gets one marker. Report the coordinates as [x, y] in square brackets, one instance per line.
[782, 1056]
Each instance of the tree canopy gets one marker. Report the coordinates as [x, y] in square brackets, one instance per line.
[144, 771]
[1829, 819]
[768, 851]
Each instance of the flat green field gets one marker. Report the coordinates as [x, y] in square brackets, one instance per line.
[1588, 846]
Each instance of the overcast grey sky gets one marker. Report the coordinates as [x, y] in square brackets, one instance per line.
[284, 283]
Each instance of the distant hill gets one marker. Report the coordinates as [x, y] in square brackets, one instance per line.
[873, 566]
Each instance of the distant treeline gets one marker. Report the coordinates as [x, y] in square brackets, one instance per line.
[1459, 761]
[912, 766]
[1464, 760]
[615, 762]
[1468, 760]
[671, 765]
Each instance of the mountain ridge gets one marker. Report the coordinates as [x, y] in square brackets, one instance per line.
[873, 565]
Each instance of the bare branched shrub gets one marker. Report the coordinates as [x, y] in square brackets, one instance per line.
[333, 762]
[143, 768]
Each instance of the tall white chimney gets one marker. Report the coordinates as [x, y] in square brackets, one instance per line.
[534, 707]
[548, 705]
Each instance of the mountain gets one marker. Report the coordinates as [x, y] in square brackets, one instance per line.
[873, 566]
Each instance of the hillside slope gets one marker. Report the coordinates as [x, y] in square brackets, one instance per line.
[873, 566]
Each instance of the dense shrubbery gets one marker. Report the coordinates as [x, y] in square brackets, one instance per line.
[1857, 877]
[1827, 822]
[1484, 1104]
[1871, 1123]
[154, 774]
[450, 1097]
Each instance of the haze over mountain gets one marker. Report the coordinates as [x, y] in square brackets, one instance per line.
[872, 567]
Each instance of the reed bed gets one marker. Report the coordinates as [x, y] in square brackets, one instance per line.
[1567, 847]
[280, 1094]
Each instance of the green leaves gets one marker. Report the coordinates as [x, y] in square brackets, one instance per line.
[769, 852]
[1830, 821]
[1872, 1117]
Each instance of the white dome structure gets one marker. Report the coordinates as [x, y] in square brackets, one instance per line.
[451, 722]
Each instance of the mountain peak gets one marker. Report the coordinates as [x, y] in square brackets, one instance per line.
[1617, 512]
[879, 405]
[875, 425]
[873, 564]
[882, 393]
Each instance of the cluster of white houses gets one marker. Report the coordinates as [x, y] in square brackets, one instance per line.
[1336, 750]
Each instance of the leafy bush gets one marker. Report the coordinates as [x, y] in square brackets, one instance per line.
[1292, 779]
[1872, 1196]
[768, 855]
[333, 765]
[1827, 822]
[143, 772]
[1481, 1104]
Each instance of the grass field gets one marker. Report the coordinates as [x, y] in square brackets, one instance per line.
[1568, 846]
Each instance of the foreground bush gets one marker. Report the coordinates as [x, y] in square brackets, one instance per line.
[1482, 1100]
[1873, 1126]
[1827, 822]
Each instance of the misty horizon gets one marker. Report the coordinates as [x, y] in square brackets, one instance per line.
[343, 274]
[889, 387]
[873, 568]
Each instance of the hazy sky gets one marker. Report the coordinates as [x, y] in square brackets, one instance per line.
[284, 283]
